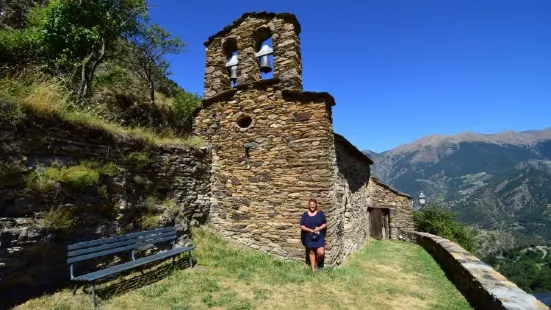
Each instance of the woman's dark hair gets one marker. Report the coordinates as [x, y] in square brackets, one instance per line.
[313, 200]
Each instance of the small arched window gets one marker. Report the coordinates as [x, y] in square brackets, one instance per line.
[264, 47]
[230, 51]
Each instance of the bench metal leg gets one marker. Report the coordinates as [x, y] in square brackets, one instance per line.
[190, 260]
[75, 287]
[174, 259]
[93, 294]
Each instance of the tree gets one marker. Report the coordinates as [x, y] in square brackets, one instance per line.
[185, 105]
[442, 222]
[78, 33]
[148, 48]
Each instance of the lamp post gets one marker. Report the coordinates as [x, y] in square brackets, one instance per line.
[422, 199]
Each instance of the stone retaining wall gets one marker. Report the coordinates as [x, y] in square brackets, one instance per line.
[136, 197]
[483, 287]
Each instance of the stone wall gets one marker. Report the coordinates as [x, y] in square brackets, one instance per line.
[351, 214]
[401, 215]
[263, 175]
[246, 31]
[151, 187]
[483, 287]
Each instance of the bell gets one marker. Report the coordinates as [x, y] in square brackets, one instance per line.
[264, 61]
[265, 64]
[233, 73]
[232, 68]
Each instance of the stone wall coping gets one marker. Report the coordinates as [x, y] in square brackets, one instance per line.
[288, 17]
[354, 150]
[395, 191]
[484, 287]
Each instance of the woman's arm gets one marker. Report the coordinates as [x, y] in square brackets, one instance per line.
[321, 227]
[302, 222]
[323, 222]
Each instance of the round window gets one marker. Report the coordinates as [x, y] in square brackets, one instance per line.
[244, 121]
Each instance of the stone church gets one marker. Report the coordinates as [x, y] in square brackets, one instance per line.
[273, 148]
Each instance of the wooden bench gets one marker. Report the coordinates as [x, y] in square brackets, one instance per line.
[107, 246]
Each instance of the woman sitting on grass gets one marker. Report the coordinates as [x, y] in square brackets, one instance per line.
[313, 223]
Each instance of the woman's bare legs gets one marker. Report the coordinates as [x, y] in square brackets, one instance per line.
[320, 252]
[312, 256]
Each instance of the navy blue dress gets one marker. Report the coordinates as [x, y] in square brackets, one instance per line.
[313, 222]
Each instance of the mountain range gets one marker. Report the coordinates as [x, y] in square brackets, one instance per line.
[499, 184]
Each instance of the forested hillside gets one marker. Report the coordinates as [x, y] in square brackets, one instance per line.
[529, 268]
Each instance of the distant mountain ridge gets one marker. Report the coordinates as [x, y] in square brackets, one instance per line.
[518, 138]
[496, 182]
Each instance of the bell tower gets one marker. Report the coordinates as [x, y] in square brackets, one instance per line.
[241, 53]
[272, 144]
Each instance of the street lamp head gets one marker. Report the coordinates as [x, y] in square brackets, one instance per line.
[422, 199]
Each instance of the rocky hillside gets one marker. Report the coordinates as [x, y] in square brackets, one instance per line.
[499, 183]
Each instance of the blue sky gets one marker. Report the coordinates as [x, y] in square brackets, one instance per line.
[400, 69]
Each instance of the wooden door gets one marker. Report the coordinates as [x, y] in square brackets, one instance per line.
[376, 221]
[386, 226]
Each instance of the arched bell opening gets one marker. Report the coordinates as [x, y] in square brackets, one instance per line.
[264, 52]
[230, 51]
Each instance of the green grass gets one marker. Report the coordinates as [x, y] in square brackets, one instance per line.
[381, 275]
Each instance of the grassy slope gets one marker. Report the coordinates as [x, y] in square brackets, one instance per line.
[382, 275]
[48, 98]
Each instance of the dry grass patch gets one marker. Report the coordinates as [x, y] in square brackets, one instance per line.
[381, 275]
[47, 97]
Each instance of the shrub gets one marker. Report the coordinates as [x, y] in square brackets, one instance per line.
[19, 47]
[79, 176]
[442, 222]
[43, 179]
[56, 218]
[104, 168]
[138, 159]
[171, 206]
[46, 179]
[149, 220]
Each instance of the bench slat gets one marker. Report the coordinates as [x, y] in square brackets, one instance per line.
[136, 245]
[120, 243]
[129, 265]
[103, 241]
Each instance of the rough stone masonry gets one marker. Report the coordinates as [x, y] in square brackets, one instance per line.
[273, 148]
